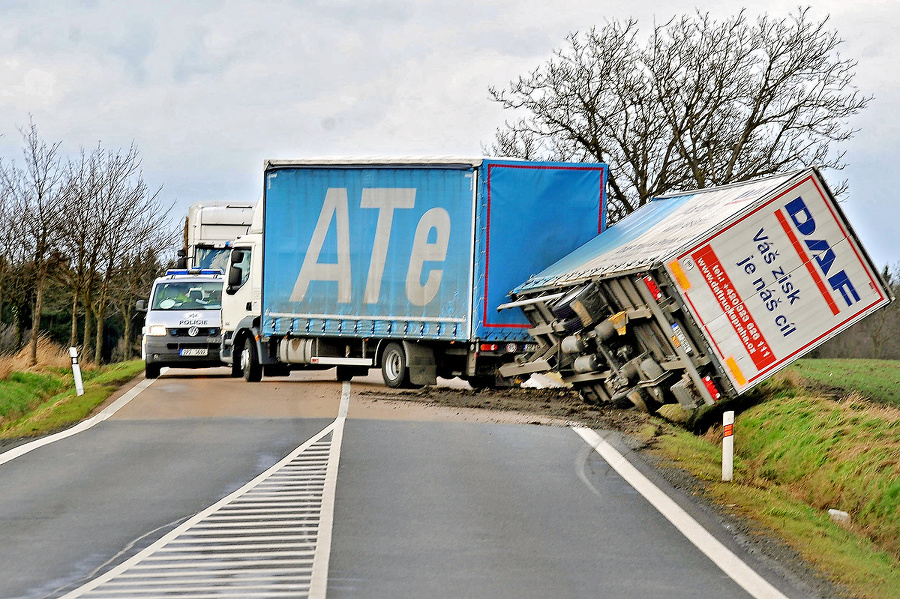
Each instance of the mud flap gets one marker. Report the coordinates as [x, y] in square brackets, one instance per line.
[420, 363]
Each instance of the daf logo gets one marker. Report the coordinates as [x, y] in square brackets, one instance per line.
[193, 315]
[193, 331]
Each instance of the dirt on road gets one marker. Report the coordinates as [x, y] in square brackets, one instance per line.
[562, 407]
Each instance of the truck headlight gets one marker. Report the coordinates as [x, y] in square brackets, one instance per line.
[157, 330]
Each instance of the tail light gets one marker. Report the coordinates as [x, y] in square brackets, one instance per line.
[652, 287]
[711, 387]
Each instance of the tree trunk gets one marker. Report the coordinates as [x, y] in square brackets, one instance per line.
[36, 321]
[20, 327]
[88, 336]
[127, 334]
[98, 339]
[73, 332]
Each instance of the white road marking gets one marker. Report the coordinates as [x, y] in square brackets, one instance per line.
[730, 564]
[319, 583]
[81, 426]
[270, 538]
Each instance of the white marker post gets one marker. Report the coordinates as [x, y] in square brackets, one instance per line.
[728, 446]
[76, 371]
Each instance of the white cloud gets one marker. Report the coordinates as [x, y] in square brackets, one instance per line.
[209, 89]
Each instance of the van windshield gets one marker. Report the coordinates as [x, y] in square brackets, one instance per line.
[179, 295]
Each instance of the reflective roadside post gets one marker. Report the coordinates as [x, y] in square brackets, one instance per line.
[728, 446]
[76, 371]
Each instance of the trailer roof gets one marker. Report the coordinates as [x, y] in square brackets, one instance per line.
[659, 229]
[380, 161]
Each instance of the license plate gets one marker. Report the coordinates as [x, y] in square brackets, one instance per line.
[199, 351]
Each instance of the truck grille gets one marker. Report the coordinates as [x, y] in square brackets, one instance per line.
[201, 332]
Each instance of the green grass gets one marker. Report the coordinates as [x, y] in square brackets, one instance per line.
[34, 404]
[22, 390]
[796, 455]
[878, 380]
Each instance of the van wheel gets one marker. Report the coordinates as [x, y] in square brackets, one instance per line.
[151, 371]
[393, 367]
[250, 366]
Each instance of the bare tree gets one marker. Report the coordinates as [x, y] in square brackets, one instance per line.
[15, 275]
[7, 241]
[700, 103]
[132, 217]
[78, 228]
[136, 273]
[35, 193]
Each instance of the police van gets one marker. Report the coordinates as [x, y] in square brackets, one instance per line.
[184, 320]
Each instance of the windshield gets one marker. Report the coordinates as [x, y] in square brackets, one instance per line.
[211, 258]
[179, 295]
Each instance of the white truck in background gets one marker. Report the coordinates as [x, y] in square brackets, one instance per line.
[208, 229]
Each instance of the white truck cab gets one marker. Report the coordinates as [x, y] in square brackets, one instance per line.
[184, 320]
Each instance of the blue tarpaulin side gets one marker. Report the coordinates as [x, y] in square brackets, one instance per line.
[529, 215]
[388, 251]
[362, 251]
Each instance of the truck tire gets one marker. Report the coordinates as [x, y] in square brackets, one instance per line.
[250, 365]
[393, 367]
[236, 371]
[151, 371]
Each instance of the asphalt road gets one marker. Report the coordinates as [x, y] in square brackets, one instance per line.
[424, 503]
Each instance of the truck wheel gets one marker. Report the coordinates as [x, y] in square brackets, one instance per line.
[250, 365]
[393, 367]
[151, 371]
[236, 369]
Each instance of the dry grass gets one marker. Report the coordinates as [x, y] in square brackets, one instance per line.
[49, 355]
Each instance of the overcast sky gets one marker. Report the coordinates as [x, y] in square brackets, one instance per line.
[208, 90]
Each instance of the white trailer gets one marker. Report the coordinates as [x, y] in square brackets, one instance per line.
[700, 295]
[208, 230]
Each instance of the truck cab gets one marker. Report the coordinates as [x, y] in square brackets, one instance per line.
[183, 321]
[241, 303]
[209, 229]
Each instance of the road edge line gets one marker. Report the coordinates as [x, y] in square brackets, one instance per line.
[733, 566]
[82, 426]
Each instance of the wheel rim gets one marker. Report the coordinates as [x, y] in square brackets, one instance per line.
[244, 359]
[392, 365]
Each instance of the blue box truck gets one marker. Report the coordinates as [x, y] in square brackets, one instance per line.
[399, 264]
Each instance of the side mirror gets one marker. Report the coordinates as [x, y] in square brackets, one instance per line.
[235, 274]
[140, 305]
[237, 256]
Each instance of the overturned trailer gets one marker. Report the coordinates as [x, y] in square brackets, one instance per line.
[700, 296]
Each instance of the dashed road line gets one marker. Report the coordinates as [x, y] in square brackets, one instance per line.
[270, 538]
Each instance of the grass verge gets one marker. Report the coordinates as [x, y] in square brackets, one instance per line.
[37, 403]
[877, 380]
[796, 456]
